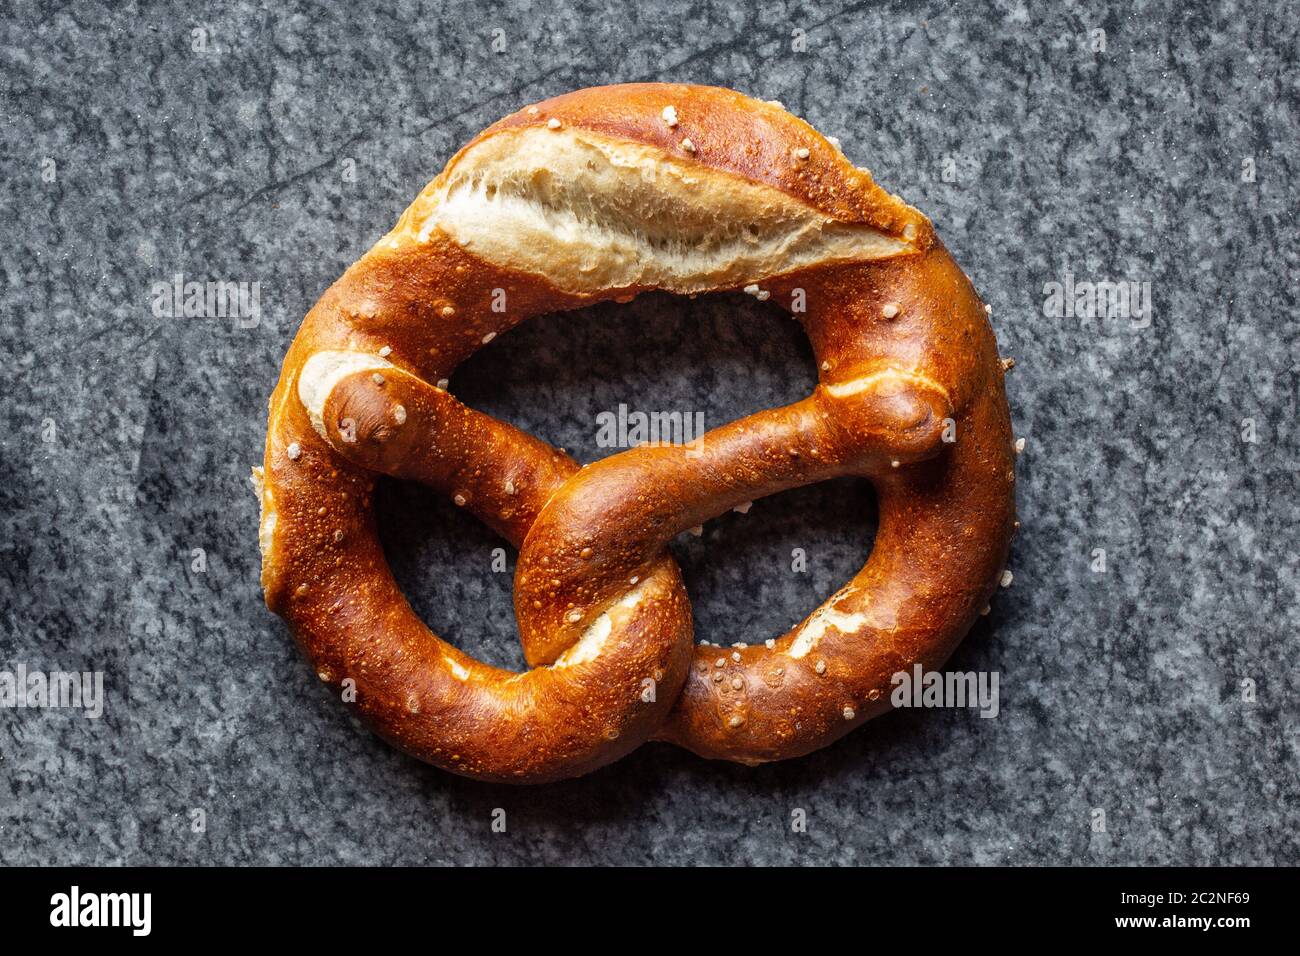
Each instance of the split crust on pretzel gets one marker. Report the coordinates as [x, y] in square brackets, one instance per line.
[598, 195]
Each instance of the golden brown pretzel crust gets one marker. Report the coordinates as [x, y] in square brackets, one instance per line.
[595, 195]
[731, 133]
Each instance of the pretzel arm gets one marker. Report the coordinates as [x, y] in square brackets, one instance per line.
[397, 424]
[614, 519]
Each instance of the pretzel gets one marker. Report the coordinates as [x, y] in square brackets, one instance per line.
[599, 195]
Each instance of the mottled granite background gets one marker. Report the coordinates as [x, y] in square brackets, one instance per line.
[129, 156]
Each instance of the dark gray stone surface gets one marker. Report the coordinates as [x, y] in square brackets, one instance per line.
[127, 437]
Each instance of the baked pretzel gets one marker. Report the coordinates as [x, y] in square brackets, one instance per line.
[602, 194]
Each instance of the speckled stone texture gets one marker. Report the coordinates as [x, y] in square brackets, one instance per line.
[279, 153]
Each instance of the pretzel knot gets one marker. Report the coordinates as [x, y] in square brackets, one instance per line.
[596, 195]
